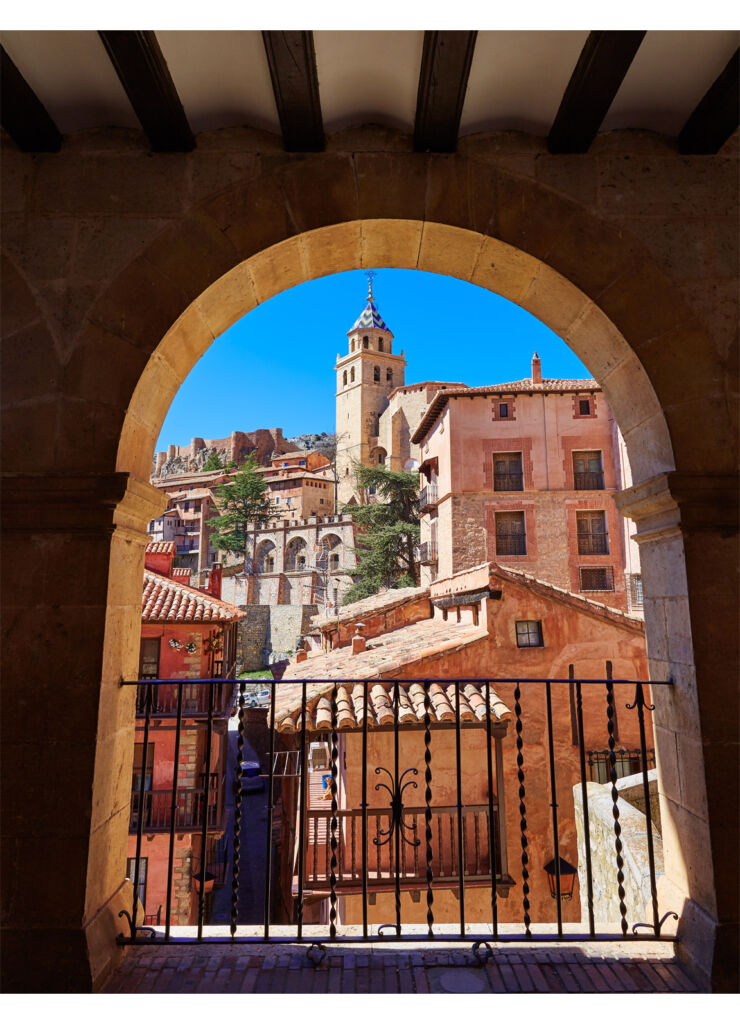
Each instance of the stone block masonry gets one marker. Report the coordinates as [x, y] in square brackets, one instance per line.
[269, 630]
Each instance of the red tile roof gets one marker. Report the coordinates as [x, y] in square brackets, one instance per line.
[389, 654]
[166, 600]
[380, 705]
[549, 385]
[160, 547]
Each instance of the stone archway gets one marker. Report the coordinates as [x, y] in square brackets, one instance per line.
[592, 283]
[541, 290]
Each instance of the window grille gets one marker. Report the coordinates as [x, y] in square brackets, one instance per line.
[507, 472]
[591, 531]
[593, 579]
[510, 533]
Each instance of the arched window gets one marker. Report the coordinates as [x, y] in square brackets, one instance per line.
[380, 344]
[365, 341]
[352, 373]
[344, 378]
[389, 376]
[352, 345]
[376, 374]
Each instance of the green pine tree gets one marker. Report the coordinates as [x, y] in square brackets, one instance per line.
[244, 500]
[212, 462]
[388, 532]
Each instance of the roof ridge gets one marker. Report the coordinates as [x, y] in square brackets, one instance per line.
[201, 594]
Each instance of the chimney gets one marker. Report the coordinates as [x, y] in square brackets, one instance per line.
[214, 580]
[359, 643]
[536, 369]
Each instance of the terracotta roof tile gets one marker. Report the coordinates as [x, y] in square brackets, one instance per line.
[380, 705]
[160, 547]
[166, 600]
[547, 385]
[383, 601]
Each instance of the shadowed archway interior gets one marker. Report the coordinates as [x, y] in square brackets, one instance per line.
[593, 283]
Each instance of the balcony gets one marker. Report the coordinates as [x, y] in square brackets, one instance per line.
[588, 481]
[190, 804]
[412, 871]
[428, 552]
[194, 698]
[428, 497]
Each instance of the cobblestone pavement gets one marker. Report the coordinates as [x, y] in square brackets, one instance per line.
[595, 968]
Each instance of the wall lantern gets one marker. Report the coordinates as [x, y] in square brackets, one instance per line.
[567, 879]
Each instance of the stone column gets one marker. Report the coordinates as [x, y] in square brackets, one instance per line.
[73, 552]
[686, 528]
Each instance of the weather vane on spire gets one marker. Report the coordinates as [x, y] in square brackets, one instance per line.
[370, 274]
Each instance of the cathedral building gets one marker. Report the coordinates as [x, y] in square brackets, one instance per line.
[377, 412]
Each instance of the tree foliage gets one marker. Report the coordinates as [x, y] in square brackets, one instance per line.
[388, 531]
[244, 500]
[212, 462]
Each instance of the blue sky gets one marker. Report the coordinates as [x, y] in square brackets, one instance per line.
[275, 366]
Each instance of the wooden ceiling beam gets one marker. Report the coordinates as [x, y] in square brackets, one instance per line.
[443, 81]
[295, 83]
[717, 114]
[22, 114]
[602, 65]
[142, 69]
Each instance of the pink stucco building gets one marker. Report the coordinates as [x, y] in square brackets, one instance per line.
[523, 473]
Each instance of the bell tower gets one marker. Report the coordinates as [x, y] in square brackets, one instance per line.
[366, 375]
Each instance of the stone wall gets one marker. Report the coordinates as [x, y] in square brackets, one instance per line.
[603, 851]
[270, 631]
[251, 637]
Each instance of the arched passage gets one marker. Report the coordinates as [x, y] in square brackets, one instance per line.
[591, 283]
[541, 290]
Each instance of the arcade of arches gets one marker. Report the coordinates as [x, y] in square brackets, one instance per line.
[119, 269]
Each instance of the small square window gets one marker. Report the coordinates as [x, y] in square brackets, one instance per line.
[584, 406]
[529, 634]
[503, 410]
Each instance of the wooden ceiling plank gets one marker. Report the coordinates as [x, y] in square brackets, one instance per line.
[443, 81]
[717, 114]
[142, 69]
[292, 61]
[602, 65]
[22, 114]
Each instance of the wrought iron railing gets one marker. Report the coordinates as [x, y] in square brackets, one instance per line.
[515, 544]
[428, 552]
[508, 481]
[626, 762]
[389, 844]
[593, 544]
[195, 698]
[590, 481]
[428, 496]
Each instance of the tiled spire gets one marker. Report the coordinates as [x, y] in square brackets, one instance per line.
[369, 317]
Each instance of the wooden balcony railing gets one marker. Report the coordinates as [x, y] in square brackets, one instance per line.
[189, 808]
[381, 867]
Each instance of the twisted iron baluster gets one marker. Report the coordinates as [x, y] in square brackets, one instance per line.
[522, 809]
[237, 810]
[333, 827]
[615, 801]
[427, 806]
